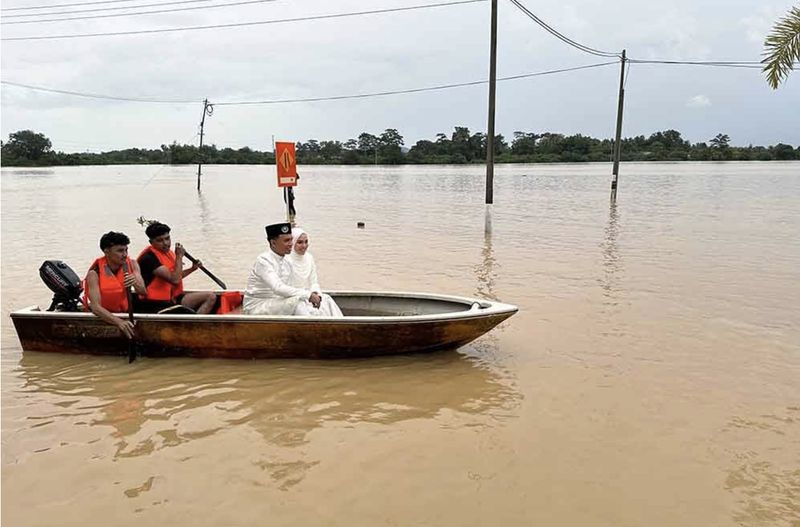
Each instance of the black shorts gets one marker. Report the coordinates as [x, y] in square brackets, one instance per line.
[150, 306]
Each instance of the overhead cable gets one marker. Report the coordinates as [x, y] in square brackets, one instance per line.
[712, 63]
[307, 99]
[560, 36]
[412, 90]
[244, 24]
[98, 9]
[96, 95]
[50, 6]
[245, 2]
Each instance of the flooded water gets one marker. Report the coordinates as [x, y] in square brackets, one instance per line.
[651, 377]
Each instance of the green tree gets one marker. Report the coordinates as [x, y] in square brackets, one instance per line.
[390, 147]
[350, 154]
[782, 48]
[367, 143]
[720, 147]
[524, 143]
[459, 144]
[27, 145]
[721, 141]
[783, 152]
[423, 151]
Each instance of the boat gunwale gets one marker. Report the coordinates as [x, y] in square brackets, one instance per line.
[487, 308]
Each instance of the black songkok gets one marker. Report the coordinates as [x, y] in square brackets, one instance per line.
[276, 229]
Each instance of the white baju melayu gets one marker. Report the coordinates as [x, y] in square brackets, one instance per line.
[268, 292]
[304, 276]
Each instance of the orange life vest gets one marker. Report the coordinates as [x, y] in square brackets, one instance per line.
[228, 301]
[160, 289]
[112, 286]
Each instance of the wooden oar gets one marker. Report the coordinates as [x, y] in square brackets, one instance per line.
[209, 273]
[129, 293]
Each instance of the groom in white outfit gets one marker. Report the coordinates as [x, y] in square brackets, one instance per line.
[268, 292]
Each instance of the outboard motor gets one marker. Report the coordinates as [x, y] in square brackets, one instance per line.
[64, 283]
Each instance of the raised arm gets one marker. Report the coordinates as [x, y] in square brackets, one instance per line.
[138, 281]
[176, 275]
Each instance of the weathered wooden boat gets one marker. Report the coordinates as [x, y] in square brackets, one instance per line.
[375, 323]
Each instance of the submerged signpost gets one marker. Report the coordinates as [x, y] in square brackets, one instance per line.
[286, 164]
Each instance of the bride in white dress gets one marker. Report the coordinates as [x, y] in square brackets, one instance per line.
[304, 274]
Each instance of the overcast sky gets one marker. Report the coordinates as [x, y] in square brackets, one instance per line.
[394, 51]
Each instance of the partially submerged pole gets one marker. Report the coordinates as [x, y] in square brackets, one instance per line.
[492, 91]
[207, 110]
[618, 136]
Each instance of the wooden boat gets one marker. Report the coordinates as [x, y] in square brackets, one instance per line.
[375, 323]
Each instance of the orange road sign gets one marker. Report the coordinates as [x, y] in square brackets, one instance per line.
[286, 162]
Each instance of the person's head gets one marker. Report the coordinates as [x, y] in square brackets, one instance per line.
[279, 236]
[299, 241]
[115, 247]
[158, 234]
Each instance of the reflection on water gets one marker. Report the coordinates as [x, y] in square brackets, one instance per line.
[164, 403]
[35, 172]
[485, 271]
[612, 261]
[206, 217]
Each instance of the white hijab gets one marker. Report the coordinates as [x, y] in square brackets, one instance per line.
[304, 269]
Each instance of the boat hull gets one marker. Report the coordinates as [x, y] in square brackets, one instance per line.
[429, 323]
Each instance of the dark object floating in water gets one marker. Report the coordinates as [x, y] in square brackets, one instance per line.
[360, 224]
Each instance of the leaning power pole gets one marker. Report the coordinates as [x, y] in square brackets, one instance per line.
[492, 91]
[208, 109]
[618, 136]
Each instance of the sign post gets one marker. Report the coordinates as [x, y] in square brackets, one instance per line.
[286, 163]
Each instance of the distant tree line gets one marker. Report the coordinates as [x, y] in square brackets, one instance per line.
[28, 148]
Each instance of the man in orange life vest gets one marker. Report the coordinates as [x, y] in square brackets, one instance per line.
[108, 280]
[163, 274]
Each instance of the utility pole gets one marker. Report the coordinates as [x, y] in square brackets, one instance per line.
[492, 91]
[618, 136]
[208, 109]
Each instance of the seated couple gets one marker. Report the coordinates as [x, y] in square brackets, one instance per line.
[283, 280]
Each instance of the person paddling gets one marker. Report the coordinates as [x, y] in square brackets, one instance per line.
[163, 274]
[108, 280]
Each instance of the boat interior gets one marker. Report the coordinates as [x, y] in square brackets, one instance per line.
[372, 305]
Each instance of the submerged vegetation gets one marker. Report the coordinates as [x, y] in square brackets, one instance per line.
[28, 148]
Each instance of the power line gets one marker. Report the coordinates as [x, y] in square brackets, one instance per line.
[244, 24]
[246, 2]
[64, 5]
[98, 9]
[587, 49]
[307, 99]
[562, 37]
[712, 63]
[95, 95]
[412, 90]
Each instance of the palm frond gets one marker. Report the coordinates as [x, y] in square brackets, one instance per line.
[782, 48]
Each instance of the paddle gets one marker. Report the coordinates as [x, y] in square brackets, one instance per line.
[209, 273]
[129, 292]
